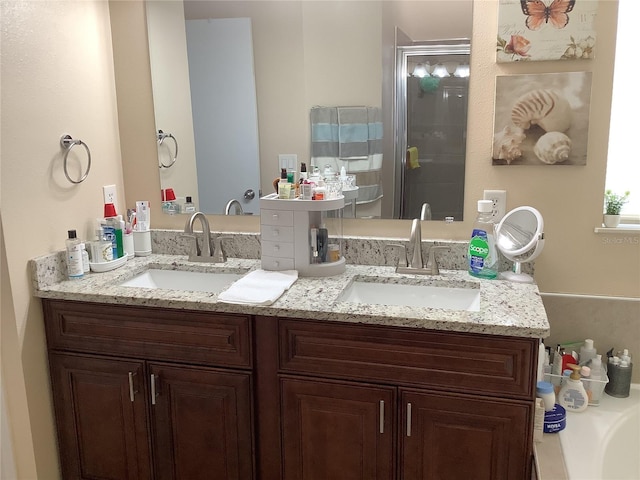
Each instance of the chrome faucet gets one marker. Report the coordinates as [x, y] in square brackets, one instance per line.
[233, 203]
[416, 265]
[211, 249]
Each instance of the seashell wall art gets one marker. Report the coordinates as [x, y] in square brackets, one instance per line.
[542, 119]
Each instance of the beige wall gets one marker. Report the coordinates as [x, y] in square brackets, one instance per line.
[58, 77]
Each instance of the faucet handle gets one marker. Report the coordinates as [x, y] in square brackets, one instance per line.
[402, 252]
[432, 263]
[194, 249]
[219, 255]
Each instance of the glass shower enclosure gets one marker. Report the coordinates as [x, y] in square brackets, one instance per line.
[432, 86]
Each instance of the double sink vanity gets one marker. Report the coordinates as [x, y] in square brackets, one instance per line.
[369, 374]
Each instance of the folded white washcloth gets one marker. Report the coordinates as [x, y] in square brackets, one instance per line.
[260, 287]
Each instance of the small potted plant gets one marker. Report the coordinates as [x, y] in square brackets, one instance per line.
[613, 203]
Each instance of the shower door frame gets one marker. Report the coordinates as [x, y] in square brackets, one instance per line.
[403, 52]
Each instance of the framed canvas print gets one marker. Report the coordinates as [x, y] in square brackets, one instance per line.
[542, 119]
[530, 30]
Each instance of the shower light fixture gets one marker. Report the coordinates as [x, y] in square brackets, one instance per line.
[420, 71]
[440, 71]
[462, 70]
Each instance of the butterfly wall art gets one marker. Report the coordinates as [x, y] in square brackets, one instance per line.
[531, 30]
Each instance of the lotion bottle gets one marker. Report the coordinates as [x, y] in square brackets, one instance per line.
[573, 397]
[74, 256]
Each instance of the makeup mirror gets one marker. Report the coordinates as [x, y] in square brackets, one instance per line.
[520, 238]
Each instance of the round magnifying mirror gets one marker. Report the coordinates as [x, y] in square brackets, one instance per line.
[520, 238]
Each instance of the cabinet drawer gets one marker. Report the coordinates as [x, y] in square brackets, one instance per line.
[277, 249]
[274, 263]
[484, 364]
[276, 217]
[153, 333]
[276, 233]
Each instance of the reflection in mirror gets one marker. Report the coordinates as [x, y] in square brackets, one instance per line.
[431, 104]
[204, 94]
[297, 66]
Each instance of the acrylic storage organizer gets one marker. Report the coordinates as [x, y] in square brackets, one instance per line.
[289, 231]
[594, 388]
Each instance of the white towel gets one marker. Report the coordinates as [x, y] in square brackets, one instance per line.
[260, 287]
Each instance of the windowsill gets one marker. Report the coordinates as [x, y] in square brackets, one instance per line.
[622, 228]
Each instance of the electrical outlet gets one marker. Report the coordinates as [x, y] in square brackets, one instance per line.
[109, 194]
[499, 199]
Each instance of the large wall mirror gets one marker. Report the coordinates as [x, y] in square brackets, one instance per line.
[234, 84]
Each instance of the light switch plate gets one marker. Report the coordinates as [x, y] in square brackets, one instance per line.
[288, 161]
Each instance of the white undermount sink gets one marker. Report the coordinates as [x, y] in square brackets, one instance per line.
[409, 295]
[213, 282]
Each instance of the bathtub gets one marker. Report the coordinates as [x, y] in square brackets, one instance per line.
[603, 442]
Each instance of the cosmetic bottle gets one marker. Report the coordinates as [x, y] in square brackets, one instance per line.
[74, 256]
[303, 172]
[482, 255]
[573, 397]
[284, 187]
[189, 206]
[544, 390]
[85, 258]
[597, 375]
[587, 351]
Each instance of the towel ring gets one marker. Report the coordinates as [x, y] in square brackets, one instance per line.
[67, 143]
[161, 136]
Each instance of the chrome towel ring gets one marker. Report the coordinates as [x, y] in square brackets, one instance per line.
[161, 136]
[67, 143]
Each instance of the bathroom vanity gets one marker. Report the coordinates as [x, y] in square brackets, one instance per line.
[165, 384]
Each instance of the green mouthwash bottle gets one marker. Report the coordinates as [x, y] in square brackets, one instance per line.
[482, 255]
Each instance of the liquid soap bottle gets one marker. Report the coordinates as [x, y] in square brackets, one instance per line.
[482, 255]
[572, 396]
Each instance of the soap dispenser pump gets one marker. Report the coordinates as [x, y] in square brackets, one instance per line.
[573, 397]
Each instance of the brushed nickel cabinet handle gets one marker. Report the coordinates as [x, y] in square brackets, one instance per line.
[132, 391]
[381, 416]
[154, 394]
[408, 419]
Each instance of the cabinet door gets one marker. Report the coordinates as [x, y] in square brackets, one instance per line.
[201, 420]
[450, 436]
[100, 408]
[337, 430]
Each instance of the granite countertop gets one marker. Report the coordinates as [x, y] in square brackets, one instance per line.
[506, 308]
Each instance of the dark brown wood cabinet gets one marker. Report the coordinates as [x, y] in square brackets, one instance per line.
[102, 433]
[458, 437]
[146, 416]
[149, 393]
[337, 430]
[451, 405]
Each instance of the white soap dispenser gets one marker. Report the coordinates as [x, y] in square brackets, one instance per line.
[573, 397]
